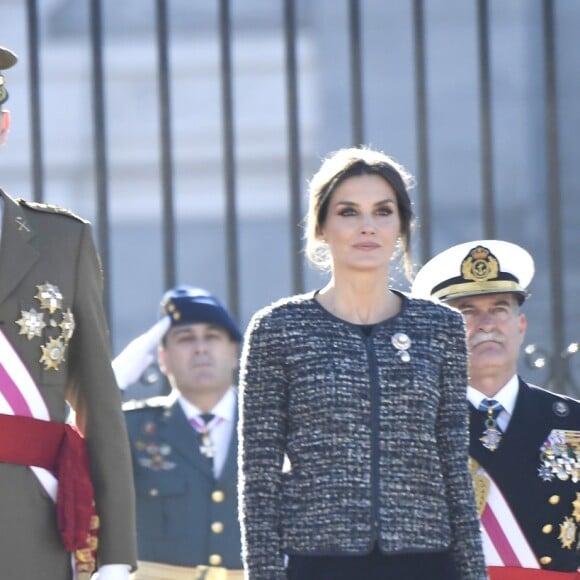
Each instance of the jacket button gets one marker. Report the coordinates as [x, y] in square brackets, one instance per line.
[217, 527]
[215, 560]
[554, 499]
[545, 560]
[547, 529]
[153, 492]
[217, 496]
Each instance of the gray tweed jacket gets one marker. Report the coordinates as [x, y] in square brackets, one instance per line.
[376, 446]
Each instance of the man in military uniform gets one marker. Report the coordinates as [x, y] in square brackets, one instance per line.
[524, 441]
[55, 350]
[184, 446]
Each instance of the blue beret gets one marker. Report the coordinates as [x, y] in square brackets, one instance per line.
[188, 305]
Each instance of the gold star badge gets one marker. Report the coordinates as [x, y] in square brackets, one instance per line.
[67, 325]
[52, 354]
[31, 323]
[567, 533]
[49, 296]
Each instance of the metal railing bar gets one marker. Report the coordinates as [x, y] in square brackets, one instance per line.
[294, 167]
[356, 81]
[485, 116]
[100, 147]
[229, 158]
[422, 128]
[165, 128]
[35, 101]
[553, 199]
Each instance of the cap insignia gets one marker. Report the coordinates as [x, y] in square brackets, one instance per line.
[480, 265]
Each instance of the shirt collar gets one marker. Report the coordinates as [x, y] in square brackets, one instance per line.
[225, 407]
[507, 395]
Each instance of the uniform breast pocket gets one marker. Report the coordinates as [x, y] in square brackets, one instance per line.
[160, 501]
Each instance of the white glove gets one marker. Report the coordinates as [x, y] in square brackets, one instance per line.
[130, 363]
[112, 572]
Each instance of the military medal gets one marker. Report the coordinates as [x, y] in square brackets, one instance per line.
[567, 535]
[492, 436]
[67, 325]
[560, 456]
[52, 354]
[49, 296]
[31, 323]
[206, 446]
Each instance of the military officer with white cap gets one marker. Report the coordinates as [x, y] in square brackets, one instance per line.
[524, 441]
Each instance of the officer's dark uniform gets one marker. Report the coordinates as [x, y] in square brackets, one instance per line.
[184, 515]
[543, 502]
[536, 464]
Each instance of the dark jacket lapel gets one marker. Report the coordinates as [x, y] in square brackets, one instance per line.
[17, 253]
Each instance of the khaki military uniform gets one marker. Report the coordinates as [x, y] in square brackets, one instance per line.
[51, 312]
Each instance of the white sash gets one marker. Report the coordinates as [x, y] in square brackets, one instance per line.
[504, 543]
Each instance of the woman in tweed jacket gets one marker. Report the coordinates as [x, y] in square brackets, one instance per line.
[353, 455]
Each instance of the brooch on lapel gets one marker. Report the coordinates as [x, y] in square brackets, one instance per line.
[32, 325]
[402, 343]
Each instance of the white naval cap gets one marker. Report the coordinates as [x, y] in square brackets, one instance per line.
[478, 267]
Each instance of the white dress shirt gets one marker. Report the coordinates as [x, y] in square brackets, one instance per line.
[221, 434]
[507, 396]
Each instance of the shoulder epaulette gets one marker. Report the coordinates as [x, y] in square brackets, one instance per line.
[49, 208]
[142, 404]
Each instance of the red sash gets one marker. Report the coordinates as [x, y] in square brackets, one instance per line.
[507, 573]
[63, 453]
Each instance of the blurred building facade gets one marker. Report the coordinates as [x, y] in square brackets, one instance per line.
[133, 122]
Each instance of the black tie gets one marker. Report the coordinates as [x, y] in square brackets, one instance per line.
[207, 417]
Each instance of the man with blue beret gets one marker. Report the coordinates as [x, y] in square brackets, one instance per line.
[184, 446]
[524, 440]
